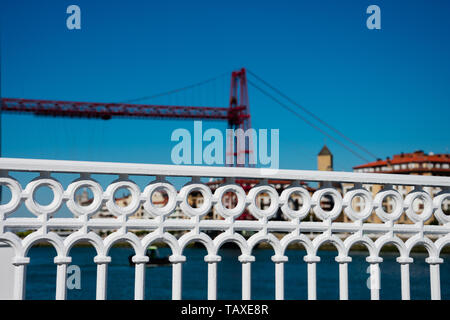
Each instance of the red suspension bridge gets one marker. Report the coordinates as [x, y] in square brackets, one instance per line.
[237, 114]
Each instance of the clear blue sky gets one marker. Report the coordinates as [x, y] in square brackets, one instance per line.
[386, 89]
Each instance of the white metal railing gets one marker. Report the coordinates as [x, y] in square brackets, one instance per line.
[342, 234]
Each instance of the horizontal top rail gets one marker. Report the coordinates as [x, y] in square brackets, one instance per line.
[117, 168]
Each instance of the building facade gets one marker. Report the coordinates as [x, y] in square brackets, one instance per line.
[410, 163]
[415, 163]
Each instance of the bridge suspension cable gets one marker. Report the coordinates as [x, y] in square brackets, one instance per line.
[234, 115]
[166, 93]
[312, 114]
[306, 120]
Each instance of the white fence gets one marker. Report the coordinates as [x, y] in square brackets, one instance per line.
[342, 234]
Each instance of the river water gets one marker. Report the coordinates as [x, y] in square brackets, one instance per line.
[41, 275]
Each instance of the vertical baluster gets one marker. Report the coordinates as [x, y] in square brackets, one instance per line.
[177, 269]
[20, 270]
[139, 281]
[102, 276]
[61, 276]
[404, 268]
[343, 281]
[435, 281]
[212, 275]
[312, 262]
[374, 277]
[177, 280]
[212, 281]
[374, 281]
[279, 276]
[343, 276]
[246, 261]
[405, 281]
[246, 281]
[312, 292]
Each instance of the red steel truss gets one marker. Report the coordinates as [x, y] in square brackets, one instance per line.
[108, 110]
[237, 114]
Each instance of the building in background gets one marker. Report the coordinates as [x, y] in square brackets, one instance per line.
[159, 199]
[262, 200]
[324, 163]
[410, 163]
[325, 160]
[84, 200]
[415, 163]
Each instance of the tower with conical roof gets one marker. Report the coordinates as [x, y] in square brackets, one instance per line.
[325, 160]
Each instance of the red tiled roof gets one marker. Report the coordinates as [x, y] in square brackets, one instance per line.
[416, 157]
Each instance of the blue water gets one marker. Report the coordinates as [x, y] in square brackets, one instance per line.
[41, 276]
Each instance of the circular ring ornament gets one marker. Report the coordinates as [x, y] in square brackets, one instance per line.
[368, 204]
[171, 203]
[240, 206]
[306, 200]
[274, 201]
[337, 198]
[90, 209]
[378, 203]
[35, 207]
[427, 206]
[16, 191]
[135, 198]
[437, 203]
[207, 202]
